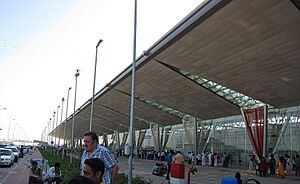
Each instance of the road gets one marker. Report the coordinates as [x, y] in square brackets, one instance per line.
[6, 172]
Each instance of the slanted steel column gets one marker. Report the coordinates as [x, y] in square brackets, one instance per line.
[124, 139]
[209, 136]
[265, 147]
[155, 134]
[140, 139]
[200, 136]
[195, 136]
[282, 131]
[166, 137]
[117, 140]
[190, 129]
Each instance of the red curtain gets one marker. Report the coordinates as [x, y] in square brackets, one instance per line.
[254, 120]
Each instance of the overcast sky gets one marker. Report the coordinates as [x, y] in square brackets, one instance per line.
[43, 42]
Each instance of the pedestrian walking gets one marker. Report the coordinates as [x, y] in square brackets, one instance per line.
[169, 160]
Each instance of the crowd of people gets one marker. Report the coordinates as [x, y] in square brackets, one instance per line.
[98, 165]
[284, 166]
[208, 158]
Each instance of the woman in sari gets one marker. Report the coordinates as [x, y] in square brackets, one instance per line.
[280, 167]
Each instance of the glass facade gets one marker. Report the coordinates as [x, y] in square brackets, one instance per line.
[229, 135]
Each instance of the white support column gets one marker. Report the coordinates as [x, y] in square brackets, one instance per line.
[155, 135]
[265, 146]
[209, 136]
[282, 131]
[190, 130]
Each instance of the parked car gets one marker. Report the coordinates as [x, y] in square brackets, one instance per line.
[3, 145]
[7, 157]
[15, 151]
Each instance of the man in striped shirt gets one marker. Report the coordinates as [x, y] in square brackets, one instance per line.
[94, 150]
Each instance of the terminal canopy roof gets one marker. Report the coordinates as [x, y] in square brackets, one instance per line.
[249, 47]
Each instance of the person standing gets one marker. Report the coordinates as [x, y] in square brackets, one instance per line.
[203, 158]
[169, 160]
[198, 158]
[216, 160]
[297, 173]
[263, 167]
[288, 166]
[178, 158]
[94, 150]
[280, 167]
[272, 164]
[193, 159]
[209, 158]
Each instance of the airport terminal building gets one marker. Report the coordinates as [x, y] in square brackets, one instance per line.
[226, 78]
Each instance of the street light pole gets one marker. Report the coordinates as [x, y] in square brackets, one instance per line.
[61, 116]
[65, 127]
[14, 131]
[9, 127]
[73, 122]
[93, 96]
[132, 109]
[52, 130]
[56, 126]
[4, 108]
[48, 131]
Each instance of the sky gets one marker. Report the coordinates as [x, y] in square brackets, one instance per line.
[43, 42]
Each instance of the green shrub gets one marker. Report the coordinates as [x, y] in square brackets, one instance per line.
[69, 171]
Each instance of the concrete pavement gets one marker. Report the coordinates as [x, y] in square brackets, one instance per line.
[205, 174]
[19, 173]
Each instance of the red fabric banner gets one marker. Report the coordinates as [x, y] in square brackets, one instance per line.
[254, 121]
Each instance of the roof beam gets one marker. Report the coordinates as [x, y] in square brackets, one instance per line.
[125, 114]
[119, 124]
[235, 98]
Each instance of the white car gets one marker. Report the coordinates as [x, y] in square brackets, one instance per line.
[15, 151]
[7, 157]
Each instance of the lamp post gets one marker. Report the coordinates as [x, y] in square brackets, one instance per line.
[48, 131]
[73, 122]
[132, 130]
[14, 130]
[4, 108]
[10, 119]
[52, 130]
[44, 134]
[65, 126]
[61, 115]
[93, 96]
[56, 122]
[55, 135]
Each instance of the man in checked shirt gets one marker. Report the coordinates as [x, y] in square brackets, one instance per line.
[94, 150]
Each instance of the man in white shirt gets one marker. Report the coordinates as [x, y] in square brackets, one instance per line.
[53, 174]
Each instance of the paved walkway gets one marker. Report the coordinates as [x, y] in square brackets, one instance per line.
[19, 173]
[205, 174]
